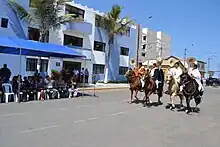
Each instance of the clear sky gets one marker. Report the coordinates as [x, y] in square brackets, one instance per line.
[187, 21]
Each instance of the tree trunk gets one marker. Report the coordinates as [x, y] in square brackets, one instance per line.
[107, 62]
[41, 39]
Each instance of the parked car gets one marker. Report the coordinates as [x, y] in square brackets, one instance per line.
[212, 82]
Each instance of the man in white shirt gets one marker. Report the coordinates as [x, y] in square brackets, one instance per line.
[153, 69]
[195, 74]
[176, 71]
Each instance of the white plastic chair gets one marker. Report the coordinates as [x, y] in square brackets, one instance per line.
[7, 90]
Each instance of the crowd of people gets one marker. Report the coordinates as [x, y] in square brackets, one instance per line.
[59, 84]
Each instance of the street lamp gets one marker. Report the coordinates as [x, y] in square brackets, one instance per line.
[185, 52]
[208, 68]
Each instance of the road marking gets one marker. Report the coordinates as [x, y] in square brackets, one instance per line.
[11, 114]
[79, 121]
[39, 129]
[83, 106]
[63, 108]
[119, 113]
[93, 118]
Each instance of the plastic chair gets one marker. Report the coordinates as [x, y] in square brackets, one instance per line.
[7, 90]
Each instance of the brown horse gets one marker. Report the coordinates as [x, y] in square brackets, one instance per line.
[135, 83]
[149, 88]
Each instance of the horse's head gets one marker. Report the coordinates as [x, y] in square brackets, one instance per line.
[184, 78]
[169, 78]
[129, 74]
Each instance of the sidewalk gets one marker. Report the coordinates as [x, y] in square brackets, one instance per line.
[101, 86]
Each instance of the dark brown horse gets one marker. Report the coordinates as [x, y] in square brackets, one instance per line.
[149, 88]
[135, 83]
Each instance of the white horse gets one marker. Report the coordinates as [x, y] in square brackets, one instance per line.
[173, 90]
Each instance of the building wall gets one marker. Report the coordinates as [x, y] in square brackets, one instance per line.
[154, 41]
[86, 30]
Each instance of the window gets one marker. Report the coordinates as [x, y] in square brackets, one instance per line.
[57, 63]
[98, 20]
[128, 32]
[43, 65]
[124, 51]
[144, 38]
[98, 69]
[78, 13]
[144, 46]
[72, 40]
[4, 23]
[122, 70]
[31, 64]
[99, 46]
[34, 34]
[143, 54]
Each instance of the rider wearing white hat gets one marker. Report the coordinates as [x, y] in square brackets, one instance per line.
[195, 74]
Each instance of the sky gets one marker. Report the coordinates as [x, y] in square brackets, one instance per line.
[186, 21]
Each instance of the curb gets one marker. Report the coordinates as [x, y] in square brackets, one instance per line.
[104, 88]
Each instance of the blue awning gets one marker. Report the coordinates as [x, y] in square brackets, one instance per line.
[11, 45]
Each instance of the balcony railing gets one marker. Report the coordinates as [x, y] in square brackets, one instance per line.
[82, 27]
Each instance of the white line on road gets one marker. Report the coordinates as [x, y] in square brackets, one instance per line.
[93, 118]
[79, 121]
[39, 129]
[83, 106]
[63, 108]
[11, 114]
[119, 113]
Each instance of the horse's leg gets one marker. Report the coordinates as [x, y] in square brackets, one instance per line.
[132, 92]
[159, 95]
[136, 92]
[181, 100]
[197, 101]
[172, 102]
[188, 109]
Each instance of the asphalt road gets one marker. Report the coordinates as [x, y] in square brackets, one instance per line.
[109, 121]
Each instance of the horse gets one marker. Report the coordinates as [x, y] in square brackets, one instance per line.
[149, 88]
[190, 91]
[135, 83]
[173, 90]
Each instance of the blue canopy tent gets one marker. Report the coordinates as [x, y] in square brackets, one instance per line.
[16, 46]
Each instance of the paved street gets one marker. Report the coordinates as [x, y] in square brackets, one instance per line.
[108, 121]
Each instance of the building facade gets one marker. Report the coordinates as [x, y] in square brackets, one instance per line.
[85, 37]
[154, 44]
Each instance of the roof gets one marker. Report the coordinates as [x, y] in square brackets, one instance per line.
[11, 45]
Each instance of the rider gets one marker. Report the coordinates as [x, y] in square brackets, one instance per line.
[159, 78]
[142, 72]
[195, 74]
[176, 71]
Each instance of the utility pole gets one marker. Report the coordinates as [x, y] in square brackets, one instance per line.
[138, 43]
[209, 58]
[185, 57]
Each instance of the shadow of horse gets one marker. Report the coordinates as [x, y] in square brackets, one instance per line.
[152, 104]
[181, 108]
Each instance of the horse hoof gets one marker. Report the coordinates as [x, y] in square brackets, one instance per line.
[171, 108]
[187, 111]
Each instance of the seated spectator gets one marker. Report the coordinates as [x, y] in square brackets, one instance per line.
[40, 88]
[62, 88]
[50, 87]
[73, 91]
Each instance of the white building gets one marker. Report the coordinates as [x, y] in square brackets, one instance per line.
[84, 37]
[154, 44]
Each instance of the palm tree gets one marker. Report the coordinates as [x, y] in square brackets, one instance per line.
[46, 15]
[114, 26]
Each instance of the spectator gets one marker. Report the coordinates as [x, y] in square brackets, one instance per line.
[5, 73]
[37, 74]
[86, 75]
[82, 73]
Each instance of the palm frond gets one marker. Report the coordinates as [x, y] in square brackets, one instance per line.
[115, 12]
[22, 13]
[124, 26]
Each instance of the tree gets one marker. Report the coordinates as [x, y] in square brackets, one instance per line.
[46, 15]
[114, 26]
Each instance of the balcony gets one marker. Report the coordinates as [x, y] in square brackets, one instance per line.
[81, 27]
